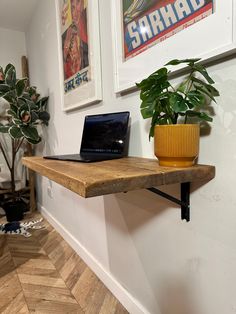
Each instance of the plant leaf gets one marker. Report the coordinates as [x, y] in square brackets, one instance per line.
[177, 61]
[20, 86]
[42, 103]
[153, 123]
[211, 89]
[20, 102]
[10, 96]
[8, 67]
[10, 77]
[17, 121]
[159, 74]
[147, 110]
[31, 141]
[14, 108]
[200, 115]
[4, 88]
[177, 103]
[182, 87]
[205, 117]
[4, 128]
[2, 76]
[12, 113]
[31, 90]
[204, 91]
[31, 105]
[196, 99]
[15, 132]
[44, 116]
[201, 69]
[30, 132]
[34, 116]
[26, 95]
[155, 80]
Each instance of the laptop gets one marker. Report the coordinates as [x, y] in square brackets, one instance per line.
[105, 136]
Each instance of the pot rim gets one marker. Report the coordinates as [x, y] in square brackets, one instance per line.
[178, 125]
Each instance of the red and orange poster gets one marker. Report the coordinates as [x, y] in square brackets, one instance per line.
[74, 43]
[148, 22]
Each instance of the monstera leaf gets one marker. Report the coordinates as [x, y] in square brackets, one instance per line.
[165, 104]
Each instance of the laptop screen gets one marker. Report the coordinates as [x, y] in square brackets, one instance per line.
[105, 133]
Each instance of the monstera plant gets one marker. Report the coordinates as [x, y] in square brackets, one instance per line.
[25, 111]
[173, 109]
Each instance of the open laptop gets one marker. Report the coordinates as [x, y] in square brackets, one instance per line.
[105, 136]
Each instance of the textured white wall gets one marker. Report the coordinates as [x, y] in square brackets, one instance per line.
[12, 48]
[169, 266]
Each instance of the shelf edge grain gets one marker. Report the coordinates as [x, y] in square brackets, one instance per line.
[58, 177]
[115, 176]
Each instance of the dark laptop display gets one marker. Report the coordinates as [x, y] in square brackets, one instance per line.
[105, 136]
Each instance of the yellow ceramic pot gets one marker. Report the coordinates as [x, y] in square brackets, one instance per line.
[176, 145]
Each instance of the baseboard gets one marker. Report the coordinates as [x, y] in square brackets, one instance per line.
[125, 298]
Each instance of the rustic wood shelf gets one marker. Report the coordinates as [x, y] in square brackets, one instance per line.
[114, 176]
[121, 175]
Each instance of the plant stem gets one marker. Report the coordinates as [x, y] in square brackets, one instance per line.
[19, 144]
[188, 88]
[174, 90]
[187, 83]
[5, 156]
[12, 170]
[185, 119]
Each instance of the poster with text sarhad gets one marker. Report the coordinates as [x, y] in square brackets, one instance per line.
[149, 22]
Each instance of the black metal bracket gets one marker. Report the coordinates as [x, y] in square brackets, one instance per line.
[184, 202]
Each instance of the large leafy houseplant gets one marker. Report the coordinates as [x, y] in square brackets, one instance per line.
[166, 104]
[173, 109]
[26, 110]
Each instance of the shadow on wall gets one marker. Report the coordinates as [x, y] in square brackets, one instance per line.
[139, 207]
[48, 133]
[39, 196]
[130, 241]
[142, 232]
[124, 218]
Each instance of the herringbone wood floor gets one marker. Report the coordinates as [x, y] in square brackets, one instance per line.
[42, 274]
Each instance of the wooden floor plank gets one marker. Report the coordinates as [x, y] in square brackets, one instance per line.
[95, 299]
[43, 274]
[37, 305]
[109, 305]
[10, 288]
[83, 288]
[72, 270]
[60, 254]
[42, 281]
[17, 305]
[46, 293]
[12, 299]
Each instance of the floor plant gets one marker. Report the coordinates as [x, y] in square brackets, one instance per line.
[25, 111]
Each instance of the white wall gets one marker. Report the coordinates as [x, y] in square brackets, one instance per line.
[12, 48]
[137, 239]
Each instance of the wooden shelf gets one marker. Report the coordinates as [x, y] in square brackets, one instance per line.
[114, 176]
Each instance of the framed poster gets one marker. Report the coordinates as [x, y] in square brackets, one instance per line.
[79, 52]
[149, 33]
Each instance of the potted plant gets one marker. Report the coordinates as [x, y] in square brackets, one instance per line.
[25, 111]
[174, 109]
